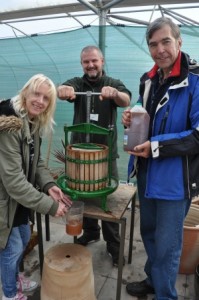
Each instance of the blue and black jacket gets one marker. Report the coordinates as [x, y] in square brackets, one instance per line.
[173, 169]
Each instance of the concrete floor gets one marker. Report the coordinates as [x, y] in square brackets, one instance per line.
[105, 276]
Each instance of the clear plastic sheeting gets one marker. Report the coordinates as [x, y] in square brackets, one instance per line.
[13, 5]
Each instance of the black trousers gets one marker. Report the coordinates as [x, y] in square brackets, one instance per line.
[110, 230]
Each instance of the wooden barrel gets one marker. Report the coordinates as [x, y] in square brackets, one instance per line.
[87, 168]
[67, 273]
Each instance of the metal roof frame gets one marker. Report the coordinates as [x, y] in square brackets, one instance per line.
[103, 9]
[98, 7]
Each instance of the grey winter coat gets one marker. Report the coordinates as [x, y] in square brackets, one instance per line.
[14, 168]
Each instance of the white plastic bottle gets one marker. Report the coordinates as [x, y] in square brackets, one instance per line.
[138, 131]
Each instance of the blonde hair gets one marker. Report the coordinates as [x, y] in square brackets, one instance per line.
[44, 122]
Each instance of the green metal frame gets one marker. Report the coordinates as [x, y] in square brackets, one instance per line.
[89, 128]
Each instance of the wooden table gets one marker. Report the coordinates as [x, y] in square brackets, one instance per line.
[117, 204]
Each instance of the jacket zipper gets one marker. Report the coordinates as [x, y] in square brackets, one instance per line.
[8, 226]
[188, 181]
[164, 120]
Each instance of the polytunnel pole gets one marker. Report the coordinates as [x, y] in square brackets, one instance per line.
[102, 30]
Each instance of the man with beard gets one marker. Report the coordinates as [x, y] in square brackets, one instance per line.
[103, 112]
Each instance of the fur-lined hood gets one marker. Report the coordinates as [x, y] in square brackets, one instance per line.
[10, 123]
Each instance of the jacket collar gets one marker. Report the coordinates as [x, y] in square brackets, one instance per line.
[13, 124]
[175, 72]
[10, 123]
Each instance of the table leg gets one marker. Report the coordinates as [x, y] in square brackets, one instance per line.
[121, 255]
[131, 228]
[103, 203]
[47, 225]
[40, 241]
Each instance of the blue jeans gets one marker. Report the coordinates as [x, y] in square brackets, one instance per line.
[161, 227]
[11, 256]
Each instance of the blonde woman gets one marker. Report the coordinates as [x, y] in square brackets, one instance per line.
[25, 182]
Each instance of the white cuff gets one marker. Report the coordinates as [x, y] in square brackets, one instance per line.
[155, 149]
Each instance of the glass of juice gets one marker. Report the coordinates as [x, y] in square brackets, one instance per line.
[74, 218]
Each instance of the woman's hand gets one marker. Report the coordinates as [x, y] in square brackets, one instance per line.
[62, 210]
[56, 193]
